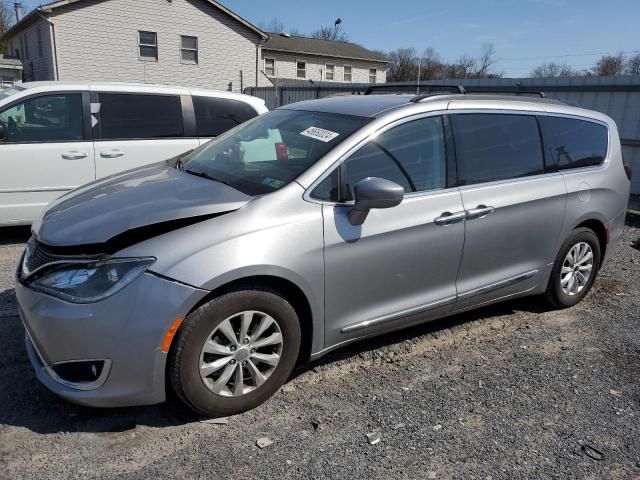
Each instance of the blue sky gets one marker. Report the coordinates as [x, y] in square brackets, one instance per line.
[525, 33]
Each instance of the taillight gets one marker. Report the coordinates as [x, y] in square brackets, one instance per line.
[628, 170]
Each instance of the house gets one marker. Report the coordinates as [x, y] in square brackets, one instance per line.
[198, 43]
[10, 70]
[287, 58]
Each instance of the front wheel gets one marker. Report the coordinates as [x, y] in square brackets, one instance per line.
[575, 269]
[234, 352]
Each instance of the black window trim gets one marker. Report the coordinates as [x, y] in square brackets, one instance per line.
[86, 118]
[97, 136]
[340, 164]
[452, 162]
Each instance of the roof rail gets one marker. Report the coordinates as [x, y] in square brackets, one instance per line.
[512, 89]
[427, 88]
[430, 89]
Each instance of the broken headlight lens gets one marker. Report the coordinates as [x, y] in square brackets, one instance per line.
[91, 282]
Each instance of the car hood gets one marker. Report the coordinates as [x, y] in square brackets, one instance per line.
[148, 201]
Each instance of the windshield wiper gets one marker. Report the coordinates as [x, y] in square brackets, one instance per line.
[207, 176]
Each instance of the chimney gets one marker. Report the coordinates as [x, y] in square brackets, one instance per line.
[18, 7]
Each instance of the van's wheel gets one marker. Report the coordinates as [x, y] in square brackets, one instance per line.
[575, 269]
[234, 352]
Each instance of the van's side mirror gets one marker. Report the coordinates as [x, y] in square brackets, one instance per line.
[374, 192]
[4, 133]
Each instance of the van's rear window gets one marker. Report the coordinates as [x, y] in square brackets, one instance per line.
[574, 143]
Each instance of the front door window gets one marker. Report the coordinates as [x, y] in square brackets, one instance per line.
[48, 118]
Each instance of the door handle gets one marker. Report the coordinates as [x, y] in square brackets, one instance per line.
[479, 212]
[448, 218]
[74, 155]
[111, 153]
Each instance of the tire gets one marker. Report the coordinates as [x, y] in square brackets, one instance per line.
[213, 395]
[559, 296]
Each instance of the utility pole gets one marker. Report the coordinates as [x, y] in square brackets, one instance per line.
[419, 67]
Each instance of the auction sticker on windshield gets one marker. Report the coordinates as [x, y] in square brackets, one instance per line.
[319, 134]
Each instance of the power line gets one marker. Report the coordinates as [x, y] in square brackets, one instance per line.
[535, 66]
[569, 55]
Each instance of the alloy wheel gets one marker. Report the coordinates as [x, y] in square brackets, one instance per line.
[241, 353]
[576, 269]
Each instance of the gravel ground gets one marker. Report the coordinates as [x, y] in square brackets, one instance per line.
[511, 391]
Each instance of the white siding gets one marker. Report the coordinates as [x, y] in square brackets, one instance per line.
[286, 67]
[98, 40]
[37, 62]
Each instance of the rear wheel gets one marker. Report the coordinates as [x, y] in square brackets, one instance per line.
[575, 269]
[234, 352]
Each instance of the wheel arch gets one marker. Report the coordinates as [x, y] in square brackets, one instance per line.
[600, 230]
[287, 289]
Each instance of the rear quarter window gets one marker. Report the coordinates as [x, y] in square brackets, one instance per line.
[214, 116]
[574, 143]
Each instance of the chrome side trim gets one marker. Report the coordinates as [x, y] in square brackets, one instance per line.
[445, 301]
[498, 285]
[37, 189]
[392, 316]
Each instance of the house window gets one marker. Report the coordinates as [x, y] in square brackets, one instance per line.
[39, 36]
[25, 46]
[329, 72]
[347, 73]
[189, 49]
[270, 67]
[373, 74]
[148, 45]
[301, 69]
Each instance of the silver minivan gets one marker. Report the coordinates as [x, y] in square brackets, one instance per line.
[308, 228]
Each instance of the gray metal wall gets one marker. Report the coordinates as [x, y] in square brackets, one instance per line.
[618, 97]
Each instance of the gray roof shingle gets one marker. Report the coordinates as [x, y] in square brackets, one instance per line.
[327, 48]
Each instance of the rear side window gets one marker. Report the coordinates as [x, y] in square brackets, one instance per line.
[573, 143]
[133, 116]
[492, 147]
[215, 116]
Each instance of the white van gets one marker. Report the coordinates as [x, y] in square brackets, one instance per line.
[55, 136]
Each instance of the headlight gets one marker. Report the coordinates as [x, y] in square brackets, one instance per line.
[91, 282]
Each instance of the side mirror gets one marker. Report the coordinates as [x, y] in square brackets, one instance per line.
[373, 192]
[3, 132]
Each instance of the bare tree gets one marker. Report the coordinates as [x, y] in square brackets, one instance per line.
[486, 60]
[464, 67]
[6, 20]
[609, 65]
[403, 65]
[335, 33]
[431, 66]
[553, 70]
[274, 26]
[633, 65]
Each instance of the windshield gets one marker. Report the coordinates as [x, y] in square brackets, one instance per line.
[268, 152]
[7, 92]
